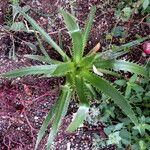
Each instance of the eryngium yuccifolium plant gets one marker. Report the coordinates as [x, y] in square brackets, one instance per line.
[83, 74]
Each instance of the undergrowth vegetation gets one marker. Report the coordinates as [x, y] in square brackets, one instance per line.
[123, 105]
[118, 127]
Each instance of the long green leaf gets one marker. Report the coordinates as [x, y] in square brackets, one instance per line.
[60, 39]
[123, 65]
[105, 71]
[42, 59]
[52, 70]
[45, 125]
[62, 69]
[91, 91]
[59, 113]
[87, 61]
[42, 48]
[109, 90]
[110, 54]
[118, 51]
[43, 33]
[130, 44]
[79, 117]
[146, 126]
[88, 25]
[41, 69]
[80, 87]
[75, 34]
[83, 110]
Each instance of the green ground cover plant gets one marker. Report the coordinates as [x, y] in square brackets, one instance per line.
[118, 128]
[84, 74]
[12, 25]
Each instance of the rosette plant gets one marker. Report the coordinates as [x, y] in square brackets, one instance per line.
[83, 73]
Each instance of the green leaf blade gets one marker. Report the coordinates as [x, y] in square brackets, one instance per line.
[132, 43]
[43, 33]
[30, 71]
[145, 4]
[42, 59]
[88, 60]
[45, 125]
[63, 102]
[79, 118]
[52, 70]
[77, 46]
[109, 90]
[91, 91]
[62, 69]
[17, 26]
[80, 87]
[83, 110]
[118, 65]
[88, 25]
[75, 34]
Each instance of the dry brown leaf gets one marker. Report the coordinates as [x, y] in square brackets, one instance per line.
[95, 48]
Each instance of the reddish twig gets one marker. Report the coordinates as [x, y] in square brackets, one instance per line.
[31, 128]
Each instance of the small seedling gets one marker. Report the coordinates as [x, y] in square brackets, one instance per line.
[79, 74]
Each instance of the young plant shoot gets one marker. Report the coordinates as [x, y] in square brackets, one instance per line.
[84, 73]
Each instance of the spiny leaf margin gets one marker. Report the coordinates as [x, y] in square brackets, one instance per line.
[75, 33]
[88, 25]
[105, 87]
[53, 70]
[59, 112]
[123, 65]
